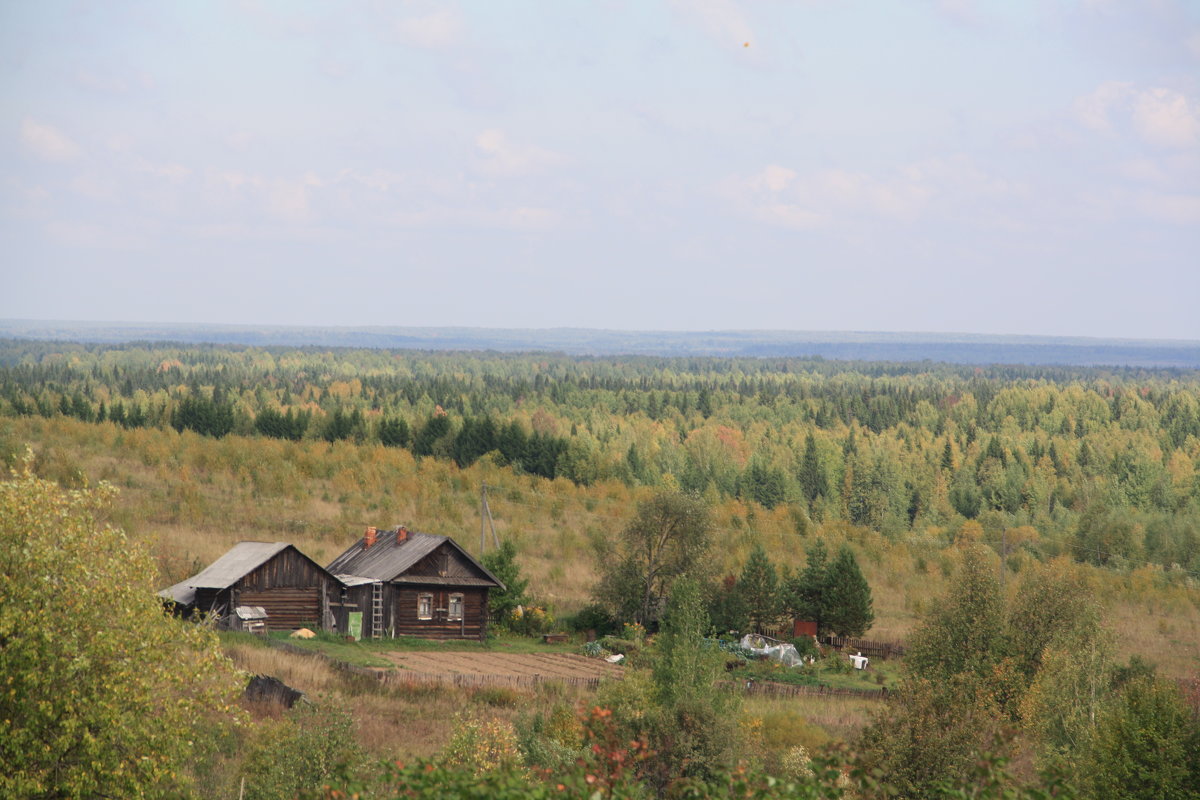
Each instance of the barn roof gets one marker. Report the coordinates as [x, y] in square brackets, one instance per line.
[238, 561]
[388, 561]
[242, 558]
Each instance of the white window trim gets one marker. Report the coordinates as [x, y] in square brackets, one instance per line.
[461, 607]
[422, 599]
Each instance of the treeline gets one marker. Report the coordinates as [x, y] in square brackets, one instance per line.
[1097, 463]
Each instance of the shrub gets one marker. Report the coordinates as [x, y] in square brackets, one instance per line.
[294, 757]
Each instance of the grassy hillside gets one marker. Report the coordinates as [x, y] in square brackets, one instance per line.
[192, 496]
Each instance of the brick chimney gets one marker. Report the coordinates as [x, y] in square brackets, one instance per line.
[369, 539]
[401, 535]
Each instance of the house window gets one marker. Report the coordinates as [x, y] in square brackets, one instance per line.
[456, 607]
[424, 606]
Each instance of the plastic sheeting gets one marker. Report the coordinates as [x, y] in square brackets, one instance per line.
[782, 652]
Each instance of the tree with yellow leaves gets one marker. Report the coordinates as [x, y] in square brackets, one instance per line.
[101, 693]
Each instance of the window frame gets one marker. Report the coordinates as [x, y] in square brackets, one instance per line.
[424, 606]
[462, 607]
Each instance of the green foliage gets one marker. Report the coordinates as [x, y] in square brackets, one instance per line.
[667, 540]
[963, 635]
[394, 432]
[482, 746]
[1101, 462]
[592, 617]
[1146, 746]
[806, 593]
[502, 563]
[102, 692]
[763, 484]
[847, 599]
[930, 739]
[210, 417]
[694, 723]
[758, 588]
[294, 757]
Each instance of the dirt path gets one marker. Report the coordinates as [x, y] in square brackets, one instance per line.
[531, 665]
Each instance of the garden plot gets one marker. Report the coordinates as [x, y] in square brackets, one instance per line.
[531, 666]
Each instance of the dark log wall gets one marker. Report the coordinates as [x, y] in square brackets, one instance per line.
[287, 608]
[445, 562]
[472, 626]
[288, 569]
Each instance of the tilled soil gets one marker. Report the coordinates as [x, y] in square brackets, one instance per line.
[545, 665]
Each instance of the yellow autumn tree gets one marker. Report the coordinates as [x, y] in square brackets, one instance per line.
[101, 693]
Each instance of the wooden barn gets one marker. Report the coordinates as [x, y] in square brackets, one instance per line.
[412, 584]
[295, 591]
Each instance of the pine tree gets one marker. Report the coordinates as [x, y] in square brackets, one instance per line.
[813, 480]
[758, 587]
[847, 597]
[805, 595]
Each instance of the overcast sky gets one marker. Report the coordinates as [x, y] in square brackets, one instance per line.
[988, 167]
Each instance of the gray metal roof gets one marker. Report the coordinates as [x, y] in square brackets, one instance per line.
[242, 558]
[355, 580]
[181, 593]
[387, 561]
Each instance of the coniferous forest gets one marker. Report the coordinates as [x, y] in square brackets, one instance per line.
[1029, 533]
[1098, 463]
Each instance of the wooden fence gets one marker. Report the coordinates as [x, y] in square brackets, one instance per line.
[865, 646]
[404, 677]
[790, 690]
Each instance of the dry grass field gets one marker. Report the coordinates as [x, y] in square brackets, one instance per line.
[190, 498]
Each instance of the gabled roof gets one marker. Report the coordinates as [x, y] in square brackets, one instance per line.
[240, 560]
[388, 561]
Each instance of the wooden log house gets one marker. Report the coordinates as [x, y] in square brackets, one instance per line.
[295, 591]
[413, 584]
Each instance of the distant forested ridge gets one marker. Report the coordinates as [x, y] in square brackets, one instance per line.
[954, 348]
[1100, 463]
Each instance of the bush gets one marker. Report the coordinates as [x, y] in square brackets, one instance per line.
[294, 757]
[482, 746]
[103, 693]
[592, 618]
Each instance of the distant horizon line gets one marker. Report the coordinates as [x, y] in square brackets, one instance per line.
[8, 322]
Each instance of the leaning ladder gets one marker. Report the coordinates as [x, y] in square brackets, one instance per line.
[376, 610]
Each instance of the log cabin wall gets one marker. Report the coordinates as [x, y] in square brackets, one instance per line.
[444, 562]
[289, 586]
[406, 608]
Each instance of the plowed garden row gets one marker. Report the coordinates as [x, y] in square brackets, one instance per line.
[543, 666]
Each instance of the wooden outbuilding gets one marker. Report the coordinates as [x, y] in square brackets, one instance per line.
[412, 584]
[295, 591]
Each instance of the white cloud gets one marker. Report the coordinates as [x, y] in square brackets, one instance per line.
[1159, 116]
[93, 236]
[1094, 110]
[720, 19]
[1166, 118]
[94, 187]
[1193, 43]
[101, 83]
[48, 142]
[1180, 209]
[779, 195]
[435, 30]
[499, 156]
[172, 172]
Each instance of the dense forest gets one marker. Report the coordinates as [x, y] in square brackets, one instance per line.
[1028, 534]
[1097, 463]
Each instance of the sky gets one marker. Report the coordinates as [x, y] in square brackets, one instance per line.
[1008, 167]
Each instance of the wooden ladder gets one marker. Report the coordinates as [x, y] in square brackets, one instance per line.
[377, 610]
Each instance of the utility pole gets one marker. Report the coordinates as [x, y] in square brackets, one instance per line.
[485, 519]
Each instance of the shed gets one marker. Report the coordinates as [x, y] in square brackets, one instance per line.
[290, 587]
[413, 584]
